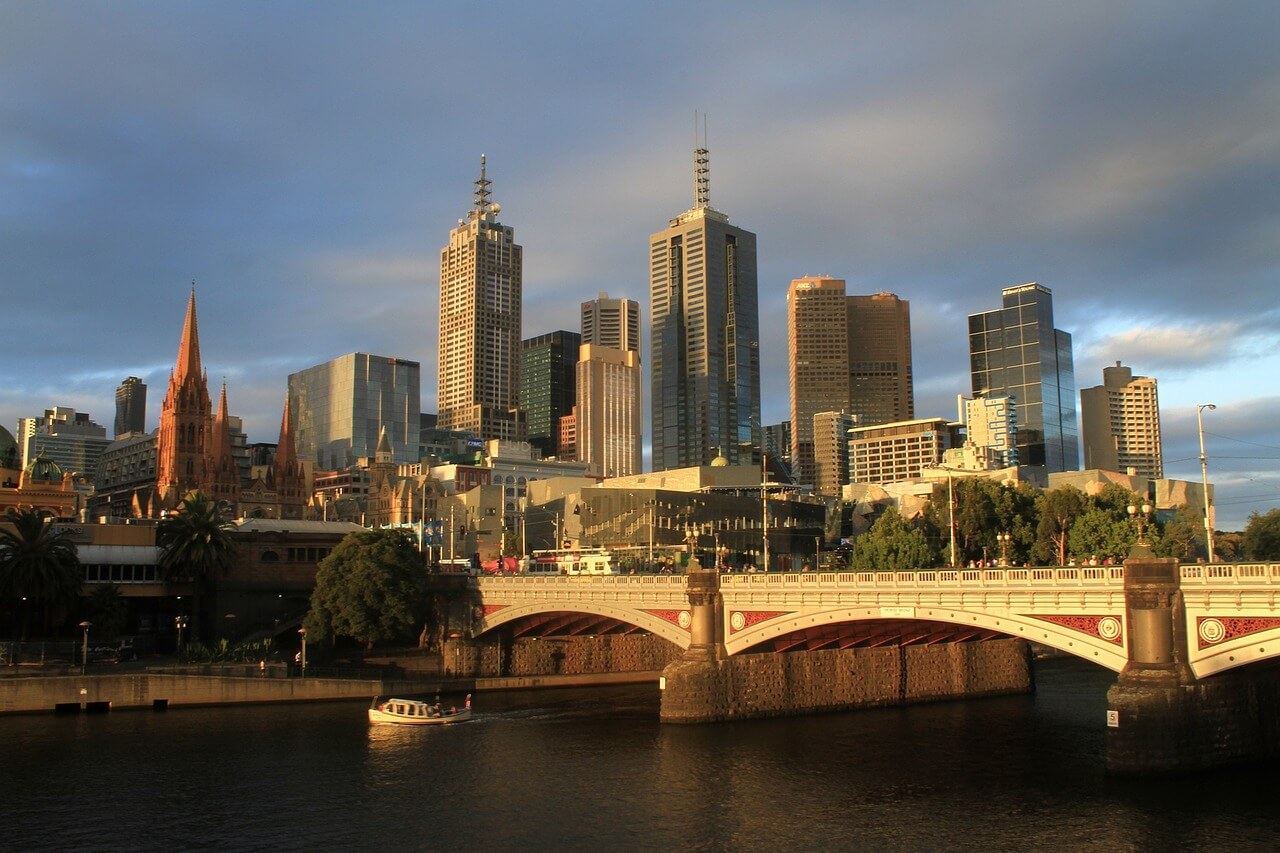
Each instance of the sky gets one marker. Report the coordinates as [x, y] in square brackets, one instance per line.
[303, 164]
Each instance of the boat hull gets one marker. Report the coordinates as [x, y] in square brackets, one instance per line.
[379, 716]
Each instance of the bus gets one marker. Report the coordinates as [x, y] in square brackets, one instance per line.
[572, 561]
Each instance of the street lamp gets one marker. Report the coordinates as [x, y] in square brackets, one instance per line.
[1204, 476]
[1004, 538]
[179, 623]
[302, 632]
[1140, 514]
[84, 655]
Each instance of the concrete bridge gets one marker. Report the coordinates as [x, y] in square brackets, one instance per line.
[1194, 645]
[1229, 613]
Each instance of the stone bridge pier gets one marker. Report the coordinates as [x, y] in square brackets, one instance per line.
[1161, 718]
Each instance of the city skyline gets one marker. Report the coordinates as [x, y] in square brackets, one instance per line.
[1118, 156]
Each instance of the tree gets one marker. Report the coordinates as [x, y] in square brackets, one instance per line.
[891, 545]
[371, 588]
[108, 611]
[39, 562]
[1098, 533]
[195, 545]
[1182, 536]
[1261, 538]
[1058, 510]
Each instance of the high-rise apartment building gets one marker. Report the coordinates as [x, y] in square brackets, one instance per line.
[881, 387]
[611, 322]
[608, 430]
[1120, 424]
[1015, 351]
[845, 354]
[480, 324]
[705, 341]
[338, 409]
[991, 427]
[131, 407]
[548, 383]
[608, 412]
[831, 451]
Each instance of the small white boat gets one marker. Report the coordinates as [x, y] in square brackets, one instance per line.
[412, 712]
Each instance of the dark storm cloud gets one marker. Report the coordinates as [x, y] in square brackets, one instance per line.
[304, 162]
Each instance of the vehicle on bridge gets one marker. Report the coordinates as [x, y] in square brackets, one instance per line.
[573, 561]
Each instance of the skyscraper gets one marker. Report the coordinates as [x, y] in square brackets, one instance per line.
[339, 407]
[480, 324]
[881, 387]
[608, 421]
[1120, 424]
[848, 354]
[705, 344]
[548, 383]
[611, 322]
[1015, 351]
[131, 407]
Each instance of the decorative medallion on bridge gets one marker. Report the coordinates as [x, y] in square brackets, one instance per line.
[1103, 627]
[742, 619]
[681, 618]
[1213, 630]
[493, 608]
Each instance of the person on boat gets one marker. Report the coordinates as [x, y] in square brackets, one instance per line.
[468, 703]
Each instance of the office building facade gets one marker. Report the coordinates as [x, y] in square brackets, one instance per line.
[1015, 351]
[1120, 424]
[131, 407]
[889, 453]
[608, 417]
[991, 426]
[338, 408]
[478, 385]
[548, 386]
[705, 339]
[611, 322]
[881, 387]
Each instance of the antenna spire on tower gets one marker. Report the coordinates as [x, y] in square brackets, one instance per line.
[482, 190]
[701, 165]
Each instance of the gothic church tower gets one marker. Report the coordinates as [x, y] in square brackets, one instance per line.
[185, 419]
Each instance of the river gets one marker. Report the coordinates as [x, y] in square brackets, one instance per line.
[594, 770]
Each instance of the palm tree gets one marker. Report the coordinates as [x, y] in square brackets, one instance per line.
[38, 561]
[195, 545]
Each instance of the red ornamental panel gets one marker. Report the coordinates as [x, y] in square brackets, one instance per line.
[493, 608]
[1107, 628]
[672, 616]
[740, 620]
[1211, 630]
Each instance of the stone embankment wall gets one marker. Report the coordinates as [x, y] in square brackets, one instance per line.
[1227, 719]
[790, 683]
[526, 656]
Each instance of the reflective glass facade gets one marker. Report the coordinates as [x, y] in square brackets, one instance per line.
[1015, 351]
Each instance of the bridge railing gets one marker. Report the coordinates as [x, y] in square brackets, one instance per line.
[1240, 573]
[1020, 577]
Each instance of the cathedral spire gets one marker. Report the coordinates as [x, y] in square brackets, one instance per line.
[189, 349]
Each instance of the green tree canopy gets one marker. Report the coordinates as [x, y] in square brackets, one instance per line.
[195, 545]
[1261, 539]
[1098, 533]
[1059, 508]
[891, 545]
[38, 561]
[371, 588]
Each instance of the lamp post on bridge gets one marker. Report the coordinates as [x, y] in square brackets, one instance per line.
[1004, 538]
[1140, 514]
[1204, 477]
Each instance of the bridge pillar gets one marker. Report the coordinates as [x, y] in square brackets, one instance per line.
[694, 686]
[1160, 718]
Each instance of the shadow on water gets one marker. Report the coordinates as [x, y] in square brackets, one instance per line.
[593, 769]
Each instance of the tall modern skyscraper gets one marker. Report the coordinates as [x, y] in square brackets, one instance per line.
[608, 423]
[848, 354]
[480, 321]
[881, 387]
[548, 386]
[339, 408]
[705, 344]
[1120, 424]
[131, 407]
[611, 323]
[1015, 351]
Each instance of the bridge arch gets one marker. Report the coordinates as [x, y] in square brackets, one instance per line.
[965, 625]
[644, 620]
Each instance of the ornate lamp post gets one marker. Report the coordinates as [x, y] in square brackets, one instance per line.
[302, 632]
[1004, 538]
[84, 655]
[1204, 476]
[1140, 514]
